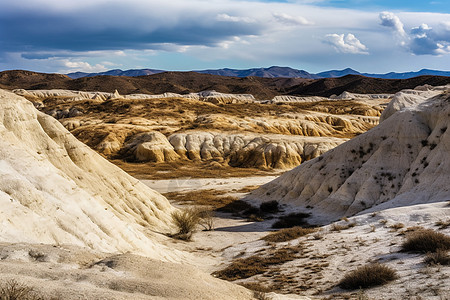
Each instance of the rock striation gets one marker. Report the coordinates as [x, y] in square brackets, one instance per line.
[401, 162]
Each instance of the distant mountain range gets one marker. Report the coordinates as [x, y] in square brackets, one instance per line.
[271, 72]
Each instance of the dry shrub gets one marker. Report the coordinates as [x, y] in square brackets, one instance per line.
[291, 220]
[288, 234]
[368, 276]
[206, 219]
[269, 206]
[236, 207]
[186, 221]
[425, 240]
[443, 224]
[339, 227]
[397, 226]
[257, 264]
[440, 257]
[13, 290]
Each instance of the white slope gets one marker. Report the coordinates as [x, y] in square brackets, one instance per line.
[56, 190]
[403, 161]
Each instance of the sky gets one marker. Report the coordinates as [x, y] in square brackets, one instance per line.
[377, 36]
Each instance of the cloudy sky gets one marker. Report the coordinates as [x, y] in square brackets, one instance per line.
[315, 35]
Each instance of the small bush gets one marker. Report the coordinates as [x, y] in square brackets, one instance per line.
[206, 219]
[368, 276]
[186, 221]
[287, 234]
[291, 220]
[440, 257]
[13, 290]
[269, 206]
[236, 207]
[425, 240]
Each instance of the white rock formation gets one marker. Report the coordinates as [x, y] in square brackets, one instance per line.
[403, 161]
[249, 150]
[354, 96]
[56, 190]
[67, 95]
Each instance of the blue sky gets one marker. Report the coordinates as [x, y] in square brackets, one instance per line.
[314, 35]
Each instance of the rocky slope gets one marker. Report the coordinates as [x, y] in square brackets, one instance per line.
[401, 162]
[54, 189]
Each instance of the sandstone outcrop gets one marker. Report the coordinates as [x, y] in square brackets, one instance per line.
[401, 162]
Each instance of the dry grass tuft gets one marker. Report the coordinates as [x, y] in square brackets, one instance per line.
[186, 221]
[287, 234]
[13, 290]
[257, 264]
[397, 226]
[443, 224]
[440, 257]
[425, 240]
[368, 276]
[291, 220]
[339, 227]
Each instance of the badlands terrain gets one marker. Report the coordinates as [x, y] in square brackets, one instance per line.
[360, 170]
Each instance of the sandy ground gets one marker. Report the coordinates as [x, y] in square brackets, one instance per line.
[327, 254]
[190, 184]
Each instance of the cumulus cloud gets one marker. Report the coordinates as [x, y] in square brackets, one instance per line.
[81, 66]
[346, 43]
[420, 40]
[389, 19]
[291, 20]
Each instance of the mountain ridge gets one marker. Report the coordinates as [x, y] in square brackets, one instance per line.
[270, 72]
[192, 82]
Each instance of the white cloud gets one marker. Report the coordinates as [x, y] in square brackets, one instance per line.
[346, 43]
[389, 19]
[291, 20]
[81, 66]
[228, 18]
[421, 40]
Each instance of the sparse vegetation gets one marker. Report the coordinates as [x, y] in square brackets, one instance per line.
[339, 227]
[186, 221]
[368, 276]
[443, 224]
[212, 198]
[288, 234]
[13, 290]
[425, 240]
[397, 226]
[236, 206]
[291, 220]
[206, 219]
[440, 257]
[269, 207]
[257, 264]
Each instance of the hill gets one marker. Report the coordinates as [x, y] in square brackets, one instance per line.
[189, 82]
